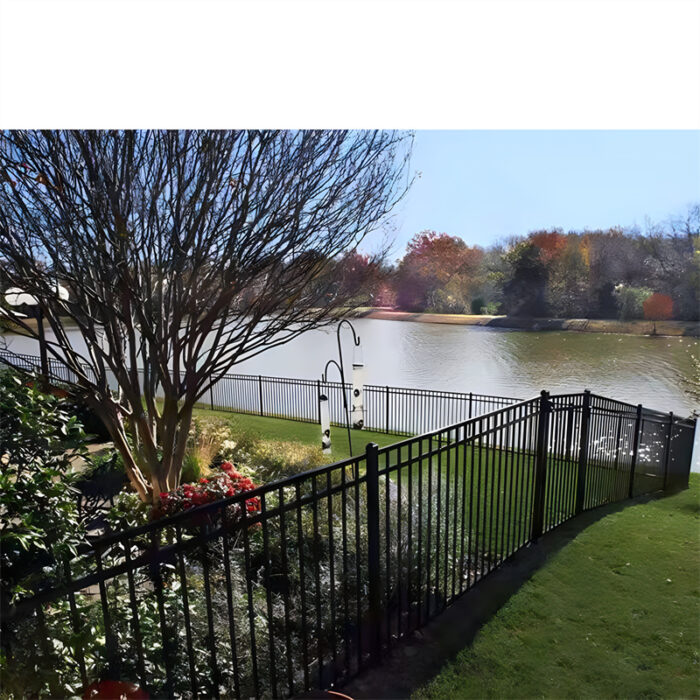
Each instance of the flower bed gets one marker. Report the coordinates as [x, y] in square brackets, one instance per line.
[224, 482]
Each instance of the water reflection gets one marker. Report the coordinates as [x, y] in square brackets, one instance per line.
[636, 369]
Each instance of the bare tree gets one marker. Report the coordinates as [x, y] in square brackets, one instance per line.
[185, 253]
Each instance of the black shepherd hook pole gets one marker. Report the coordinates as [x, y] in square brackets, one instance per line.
[324, 379]
[341, 369]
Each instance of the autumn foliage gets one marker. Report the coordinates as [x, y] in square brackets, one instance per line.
[658, 307]
[436, 264]
[613, 273]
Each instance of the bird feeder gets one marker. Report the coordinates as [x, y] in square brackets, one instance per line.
[325, 423]
[357, 413]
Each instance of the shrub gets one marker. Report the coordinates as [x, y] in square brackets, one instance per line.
[40, 524]
[272, 460]
[286, 589]
[224, 483]
[630, 301]
[490, 309]
[658, 307]
[91, 422]
[128, 511]
[477, 305]
[239, 448]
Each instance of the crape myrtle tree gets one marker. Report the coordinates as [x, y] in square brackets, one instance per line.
[184, 253]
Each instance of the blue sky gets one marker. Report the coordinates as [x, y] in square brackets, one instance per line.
[486, 185]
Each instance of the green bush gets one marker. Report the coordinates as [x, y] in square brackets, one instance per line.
[271, 460]
[287, 579]
[191, 470]
[490, 309]
[39, 519]
[630, 301]
[128, 511]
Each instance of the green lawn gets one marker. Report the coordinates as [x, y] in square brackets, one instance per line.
[308, 433]
[494, 487]
[614, 614]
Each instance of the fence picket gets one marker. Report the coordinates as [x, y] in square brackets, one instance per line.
[311, 599]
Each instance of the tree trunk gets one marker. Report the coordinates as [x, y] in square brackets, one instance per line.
[115, 428]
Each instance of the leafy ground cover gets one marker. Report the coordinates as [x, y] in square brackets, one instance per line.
[614, 614]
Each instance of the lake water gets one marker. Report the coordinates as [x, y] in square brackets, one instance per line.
[637, 369]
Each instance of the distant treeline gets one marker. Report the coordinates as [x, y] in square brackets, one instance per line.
[614, 273]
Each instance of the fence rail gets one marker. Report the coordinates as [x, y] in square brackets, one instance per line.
[388, 409]
[305, 582]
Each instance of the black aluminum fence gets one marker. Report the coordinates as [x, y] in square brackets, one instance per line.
[320, 574]
[401, 411]
[397, 410]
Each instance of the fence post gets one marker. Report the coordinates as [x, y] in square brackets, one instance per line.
[261, 394]
[617, 441]
[569, 429]
[211, 397]
[374, 583]
[318, 399]
[668, 448]
[470, 404]
[387, 409]
[583, 451]
[635, 449]
[540, 466]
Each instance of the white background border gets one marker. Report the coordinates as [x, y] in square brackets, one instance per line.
[616, 64]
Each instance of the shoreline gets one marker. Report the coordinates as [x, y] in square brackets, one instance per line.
[689, 329]
[581, 325]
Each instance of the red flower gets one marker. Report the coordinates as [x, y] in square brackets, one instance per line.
[224, 484]
[246, 484]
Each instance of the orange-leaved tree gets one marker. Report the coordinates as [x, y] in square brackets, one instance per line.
[658, 307]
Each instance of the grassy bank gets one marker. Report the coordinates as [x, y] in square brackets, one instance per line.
[614, 614]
